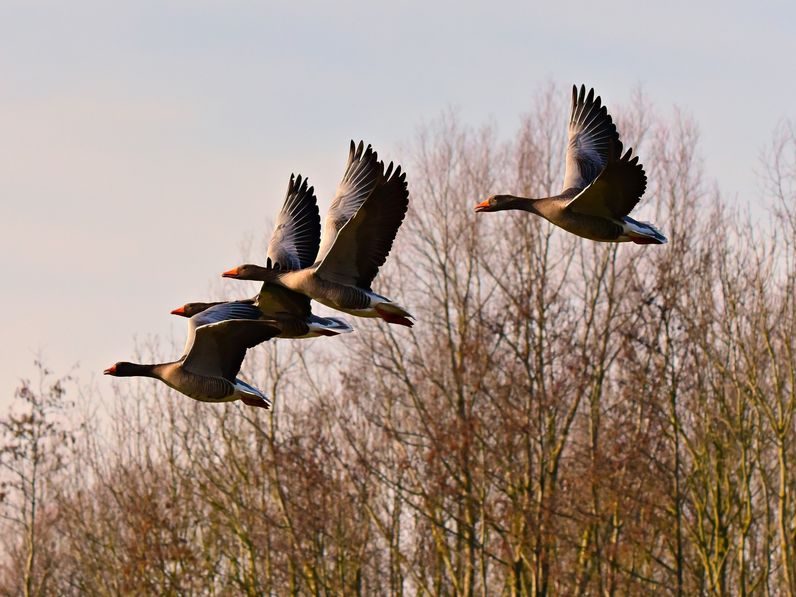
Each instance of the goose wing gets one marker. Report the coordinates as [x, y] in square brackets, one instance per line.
[362, 173]
[593, 139]
[363, 244]
[615, 192]
[217, 313]
[297, 234]
[219, 339]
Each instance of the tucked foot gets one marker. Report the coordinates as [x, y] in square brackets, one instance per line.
[387, 314]
[641, 240]
[328, 333]
[646, 240]
[256, 402]
[642, 233]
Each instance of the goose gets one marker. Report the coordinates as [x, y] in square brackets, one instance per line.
[294, 242]
[289, 310]
[358, 233]
[601, 185]
[218, 338]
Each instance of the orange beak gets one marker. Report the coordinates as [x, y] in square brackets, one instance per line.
[179, 311]
[482, 206]
[232, 273]
[110, 370]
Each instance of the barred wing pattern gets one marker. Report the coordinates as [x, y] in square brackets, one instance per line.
[365, 241]
[593, 139]
[297, 234]
[362, 173]
[615, 191]
[219, 337]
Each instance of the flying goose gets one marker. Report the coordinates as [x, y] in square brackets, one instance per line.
[358, 233]
[288, 310]
[218, 338]
[601, 185]
[294, 242]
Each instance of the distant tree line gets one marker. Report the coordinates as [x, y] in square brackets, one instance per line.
[566, 418]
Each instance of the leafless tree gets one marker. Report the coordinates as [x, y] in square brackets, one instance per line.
[566, 417]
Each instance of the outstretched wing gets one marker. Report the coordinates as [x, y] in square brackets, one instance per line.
[615, 192]
[219, 348]
[278, 300]
[217, 313]
[365, 241]
[294, 243]
[362, 173]
[593, 139]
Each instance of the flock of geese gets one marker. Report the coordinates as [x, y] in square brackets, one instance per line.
[336, 267]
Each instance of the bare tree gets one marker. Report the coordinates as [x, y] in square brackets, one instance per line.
[566, 417]
[35, 440]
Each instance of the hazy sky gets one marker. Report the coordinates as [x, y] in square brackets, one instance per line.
[141, 142]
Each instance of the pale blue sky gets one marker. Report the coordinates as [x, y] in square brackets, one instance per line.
[141, 142]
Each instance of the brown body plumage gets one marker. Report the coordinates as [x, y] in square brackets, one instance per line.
[358, 233]
[601, 184]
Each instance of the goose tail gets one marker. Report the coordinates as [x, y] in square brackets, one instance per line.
[330, 326]
[643, 233]
[251, 395]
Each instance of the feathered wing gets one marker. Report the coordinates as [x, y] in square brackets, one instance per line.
[219, 348]
[615, 192]
[297, 234]
[593, 139]
[363, 244]
[218, 313]
[278, 300]
[362, 173]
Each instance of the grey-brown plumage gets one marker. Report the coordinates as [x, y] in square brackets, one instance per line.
[601, 184]
[297, 232]
[358, 234]
[362, 245]
[593, 139]
[218, 339]
[362, 174]
[294, 245]
[288, 310]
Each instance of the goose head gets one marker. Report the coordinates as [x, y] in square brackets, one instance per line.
[191, 309]
[249, 271]
[501, 202]
[125, 369]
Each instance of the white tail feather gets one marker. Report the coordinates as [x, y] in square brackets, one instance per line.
[249, 393]
[643, 232]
